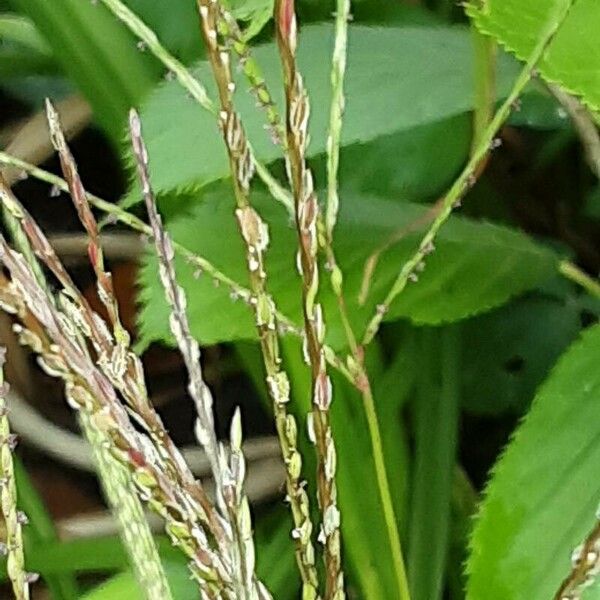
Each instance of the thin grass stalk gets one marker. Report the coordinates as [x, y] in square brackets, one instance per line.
[585, 125]
[306, 214]
[16, 233]
[255, 234]
[467, 177]
[228, 477]
[13, 518]
[53, 336]
[117, 484]
[485, 50]
[572, 272]
[358, 374]
[188, 82]
[337, 283]
[338, 72]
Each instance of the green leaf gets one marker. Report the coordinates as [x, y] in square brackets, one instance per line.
[476, 266]
[41, 531]
[22, 50]
[18, 29]
[570, 60]
[113, 76]
[176, 23]
[427, 167]
[125, 587]
[435, 416]
[90, 555]
[398, 78]
[541, 500]
[512, 350]
[257, 13]
[21, 62]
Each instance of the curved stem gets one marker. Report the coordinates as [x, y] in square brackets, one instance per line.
[574, 273]
[465, 180]
[385, 493]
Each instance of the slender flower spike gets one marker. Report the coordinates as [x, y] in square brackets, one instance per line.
[228, 469]
[307, 219]
[255, 235]
[13, 518]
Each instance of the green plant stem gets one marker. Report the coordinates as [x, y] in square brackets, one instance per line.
[574, 273]
[338, 71]
[127, 508]
[485, 82]
[436, 416]
[190, 83]
[465, 179]
[385, 494]
[130, 220]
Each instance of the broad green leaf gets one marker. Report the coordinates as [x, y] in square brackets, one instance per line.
[16, 62]
[410, 165]
[257, 13]
[125, 586]
[381, 12]
[542, 498]
[98, 53]
[476, 266]
[88, 555]
[571, 59]
[398, 78]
